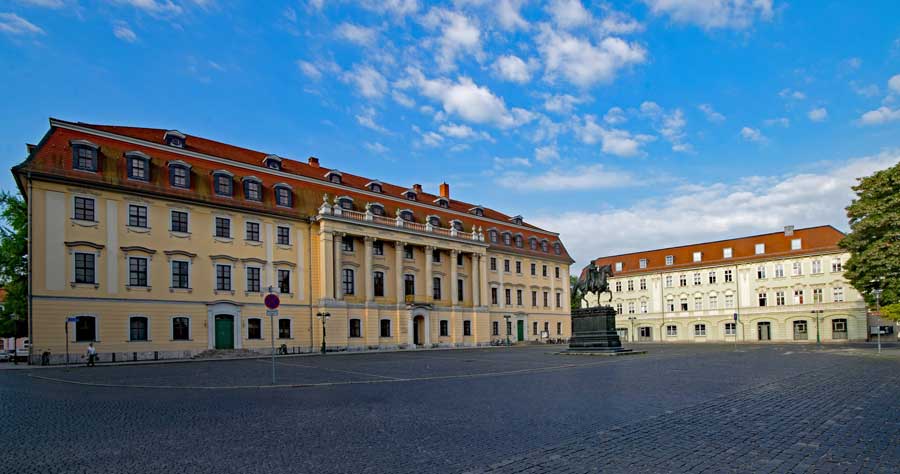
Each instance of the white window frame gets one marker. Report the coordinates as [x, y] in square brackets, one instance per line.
[73, 336]
[172, 273]
[727, 252]
[172, 328]
[230, 237]
[642, 263]
[262, 328]
[262, 278]
[698, 256]
[671, 330]
[278, 329]
[96, 254]
[670, 259]
[96, 210]
[128, 216]
[759, 249]
[700, 330]
[149, 260]
[189, 222]
[128, 328]
[215, 277]
[796, 244]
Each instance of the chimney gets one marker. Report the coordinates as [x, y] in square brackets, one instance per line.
[445, 190]
[788, 230]
[313, 161]
[417, 188]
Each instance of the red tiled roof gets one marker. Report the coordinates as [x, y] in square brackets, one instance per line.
[777, 244]
[54, 156]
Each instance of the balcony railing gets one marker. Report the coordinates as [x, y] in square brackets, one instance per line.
[337, 211]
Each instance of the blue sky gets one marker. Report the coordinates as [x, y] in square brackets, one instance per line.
[622, 125]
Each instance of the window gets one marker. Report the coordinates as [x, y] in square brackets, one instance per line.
[559, 302]
[532, 243]
[459, 259]
[495, 328]
[84, 157]
[519, 241]
[507, 238]
[223, 184]
[493, 264]
[630, 285]
[283, 235]
[698, 279]
[669, 281]
[779, 271]
[763, 298]
[642, 263]
[181, 329]
[273, 162]
[545, 246]
[180, 278]
[506, 265]
[618, 308]
[712, 277]
[223, 277]
[643, 304]
[85, 329]
[137, 166]
[377, 209]
[385, 329]
[729, 301]
[817, 295]
[467, 328]
[137, 328]
[179, 221]
[137, 271]
[558, 328]
[347, 281]
[494, 295]
[479, 212]
[346, 203]
[378, 283]
[436, 288]
[713, 301]
[816, 267]
[643, 284]
[410, 195]
[838, 294]
[698, 303]
[557, 248]
[533, 269]
[492, 234]
[760, 249]
[728, 276]
[534, 298]
[836, 265]
[730, 329]
[284, 281]
[179, 176]
[556, 272]
[671, 330]
[460, 290]
[409, 285]
[684, 303]
[670, 305]
[253, 283]
[544, 270]
[546, 299]
[798, 296]
[408, 252]
[779, 298]
[698, 256]
[518, 267]
[377, 247]
[761, 272]
[174, 138]
[254, 328]
[682, 280]
[137, 216]
[252, 232]
[797, 269]
[699, 330]
[223, 227]
[375, 187]
[534, 328]
[355, 328]
[795, 244]
[444, 328]
[618, 266]
[84, 209]
[334, 178]
[839, 329]
[283, 196]
[347, 243]
[84, 268]
[436, 256]
[507, 293]
[670, 259]
[727, 252]
[519, 297]
[284, 329]
[618, 287]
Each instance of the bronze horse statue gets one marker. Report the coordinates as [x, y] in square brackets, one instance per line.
[593, 279]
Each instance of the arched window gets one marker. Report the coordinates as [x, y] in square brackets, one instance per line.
[532, 242]
[334, 177]
[557, 248]
[406, 215]
[443, 202]
[345, 203]
[355, 328]
[223, 183]
[410, 195]
[507, 238]
[138, 165]
[85, 329]
[283, 196]
[174, 138]
[273, 162]
[477, 211]
[519, 241]
[375, 187]
[545, 246]
[492, 234]
[434, 220]
[347, 281]
[377, 209]
[254, 328]
[457, 224]
[181, 328]
[179, 174]
[138, 328]
[84, 155]
[252, 189]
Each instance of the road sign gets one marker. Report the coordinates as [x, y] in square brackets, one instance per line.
[735, 317]
[272, 301]
[71, 320]
[272, 312]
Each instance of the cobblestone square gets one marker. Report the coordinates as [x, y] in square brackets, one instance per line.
[681, 408]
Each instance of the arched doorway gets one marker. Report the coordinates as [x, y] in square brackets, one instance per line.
[224, 331]
[419, 330]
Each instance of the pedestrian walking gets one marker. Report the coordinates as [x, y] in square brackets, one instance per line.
[91, 354]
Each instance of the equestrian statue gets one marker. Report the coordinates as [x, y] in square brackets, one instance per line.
[594, 279]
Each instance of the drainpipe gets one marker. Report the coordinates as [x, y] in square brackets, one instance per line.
[662, 305]
[30, 273]
[309, 280]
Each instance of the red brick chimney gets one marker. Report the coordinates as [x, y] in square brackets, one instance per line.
[313, 161]
[417, 188]
[445, 190]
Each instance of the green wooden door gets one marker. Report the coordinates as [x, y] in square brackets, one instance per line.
[224, 332]
[520, 328]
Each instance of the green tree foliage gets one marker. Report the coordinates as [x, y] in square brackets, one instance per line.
[13, 260]
[874, 239]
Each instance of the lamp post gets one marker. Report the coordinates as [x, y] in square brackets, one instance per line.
[324, 317]
[877, 293]
[818, 313]
[632, 319]
[508, 328]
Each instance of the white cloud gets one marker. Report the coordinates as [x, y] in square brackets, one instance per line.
[469, 101]
[402, 99]
[368, 118]
[818, 114]
[508, 14]
[615, 116]
[561, 103]
[13, 24]
[124, 33]
[580, 178]
[310, 70]
[569, 13]
[369, 82]
[376, 147]
[462, 131]
[397, 8]
[459, 35]
[361, 35]
[432, 139]
[782, 121]
[894, 84]
[791, 94]
[618, 23]
[501, 163]
[513, 69]
[713, 14]
[879, 116]
[154, 7]
[670, 125]
[711, 113]
[870, 90]
[583, 63]
[546, 154]
[612, 141]
[752, 135]
[44, 3]
[853, 63]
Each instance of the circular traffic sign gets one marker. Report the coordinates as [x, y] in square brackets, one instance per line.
[272, 301]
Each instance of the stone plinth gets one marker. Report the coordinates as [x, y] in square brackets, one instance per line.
[594, 330]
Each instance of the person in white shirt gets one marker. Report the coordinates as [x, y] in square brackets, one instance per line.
[91, 354]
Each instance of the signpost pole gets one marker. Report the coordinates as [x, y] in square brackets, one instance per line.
[67, 344]
[735, 331]
[272, 302]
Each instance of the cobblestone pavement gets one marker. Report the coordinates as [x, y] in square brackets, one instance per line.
[677, 409]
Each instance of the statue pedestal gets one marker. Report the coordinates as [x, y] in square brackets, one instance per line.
[594, 332]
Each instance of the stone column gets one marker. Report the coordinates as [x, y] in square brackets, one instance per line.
[475, 279]
[429, 286]
[501, 291]
[326, 278]
[484, 292]
[367, 278]
[453, 278]
[338, 291]
[398, 271]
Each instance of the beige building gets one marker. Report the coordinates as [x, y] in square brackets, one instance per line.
[785, 287]
[156, 244]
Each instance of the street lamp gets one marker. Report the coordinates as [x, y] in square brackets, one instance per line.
[323, 316]
[508, 327]
[877, 293]
[818, 313]
[632, 319]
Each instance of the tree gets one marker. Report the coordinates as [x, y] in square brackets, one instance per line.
[874, 239]
[13, 261]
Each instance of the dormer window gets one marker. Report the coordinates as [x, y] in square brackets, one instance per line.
[410, 195]
[520, 241]
[435, 221]
[517, 220]
[477, 210]
[406, 215]
[334, 176]
[492, 234]
[84, 155]
[457, 224]
[375, 186]
[175, 138]
[345, 203]
[507, 238]
[223, 183]
[443, 202]
[138, 165]
[284, 197]
[376, 209]
[533, 243]
[545, 246]
[273, 162]
[252, 189]
[179, 174]
[557, 248]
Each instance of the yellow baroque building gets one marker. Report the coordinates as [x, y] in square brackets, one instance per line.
[154, 244]
[783, 286]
